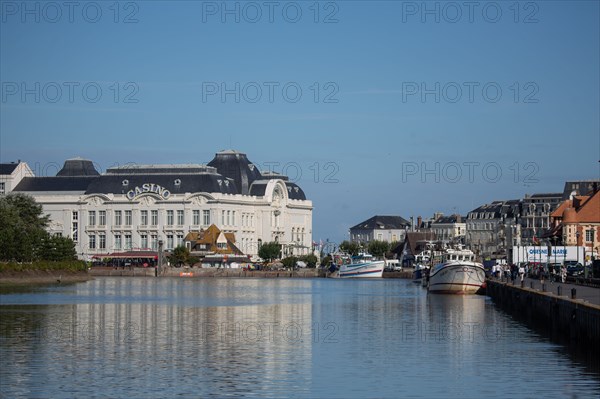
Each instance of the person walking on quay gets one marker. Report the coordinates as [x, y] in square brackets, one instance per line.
[563, 273]
[521, 272]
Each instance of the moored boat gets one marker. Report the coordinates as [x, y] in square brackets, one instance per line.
[457, 274]
[362, 265]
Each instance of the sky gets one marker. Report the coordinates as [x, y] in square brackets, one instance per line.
[372, 107]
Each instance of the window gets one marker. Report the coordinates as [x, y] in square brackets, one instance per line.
[154, 218]
[118, 243]
[180, 218]
[206, 217]
[170, 218]
[2, 188]
[144, 221]
[228, 218]
[196, 217]
[144, 239]
[222, 218]
[179, 239]
[102, 241]
[233, 218]
[92, 218]
[222, 245]
[92, 241]
[101, 218]
[75, 226]
[169, 241]
[154, 242]
[379, 236]
[128, 241]
[589, 235]
[118, 219]
[128, 218]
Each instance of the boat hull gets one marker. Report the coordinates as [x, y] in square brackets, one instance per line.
[457, 278]
[362, 270]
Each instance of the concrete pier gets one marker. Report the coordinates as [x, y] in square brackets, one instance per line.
[552, 308]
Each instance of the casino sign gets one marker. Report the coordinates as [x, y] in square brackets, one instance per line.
[148, 188]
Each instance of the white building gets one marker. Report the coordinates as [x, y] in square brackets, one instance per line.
[380, 228]
[449, 228]
[11, 174]
[134, 207]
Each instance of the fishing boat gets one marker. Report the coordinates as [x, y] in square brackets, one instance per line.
[419, 273]
[363, 265]
[458, 273]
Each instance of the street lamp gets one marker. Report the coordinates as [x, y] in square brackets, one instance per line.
[577, 234]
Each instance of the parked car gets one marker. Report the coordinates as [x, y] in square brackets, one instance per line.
[575, 270]
[393, 265]
[596, 268]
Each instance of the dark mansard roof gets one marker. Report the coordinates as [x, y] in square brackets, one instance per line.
[230, 172]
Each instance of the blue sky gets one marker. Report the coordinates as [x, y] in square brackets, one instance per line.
[387, 92]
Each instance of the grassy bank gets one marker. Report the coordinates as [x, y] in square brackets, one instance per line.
[14, 275]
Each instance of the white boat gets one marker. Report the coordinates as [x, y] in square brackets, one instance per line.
[457, 274]
[362, 265]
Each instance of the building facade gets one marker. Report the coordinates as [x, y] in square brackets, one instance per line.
[535, 215]
[11, 174]
[449, 228]
[133, 207]
[576, 222]
[487, 228]
[380, 228]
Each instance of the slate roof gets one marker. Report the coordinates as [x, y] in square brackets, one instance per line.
[66, 183]
[236, 166]
[78, 167]
[450, 219]
[230, 172]
[382, 222]
[208, 183]
[8, 168]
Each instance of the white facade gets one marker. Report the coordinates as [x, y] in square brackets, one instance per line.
[17, 171]
[142, 215]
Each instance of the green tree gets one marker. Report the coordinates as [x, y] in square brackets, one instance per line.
[289, 262]
[57, 248]
[269, 251]
[326, 261]
[180, 255]
[310, 260]
[23, 228]
[378, 248]
[350, 247]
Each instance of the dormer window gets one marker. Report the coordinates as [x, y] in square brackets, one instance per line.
[177, 182]
[125, 182]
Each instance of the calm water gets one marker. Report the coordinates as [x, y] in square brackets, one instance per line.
[313, 338]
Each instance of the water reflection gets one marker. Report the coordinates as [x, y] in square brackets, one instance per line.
[271, 338]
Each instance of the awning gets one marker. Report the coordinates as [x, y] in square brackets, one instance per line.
[128, 255]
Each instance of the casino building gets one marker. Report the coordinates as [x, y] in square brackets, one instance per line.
[133, 207]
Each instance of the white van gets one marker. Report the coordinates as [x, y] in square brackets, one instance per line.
[393, 264]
